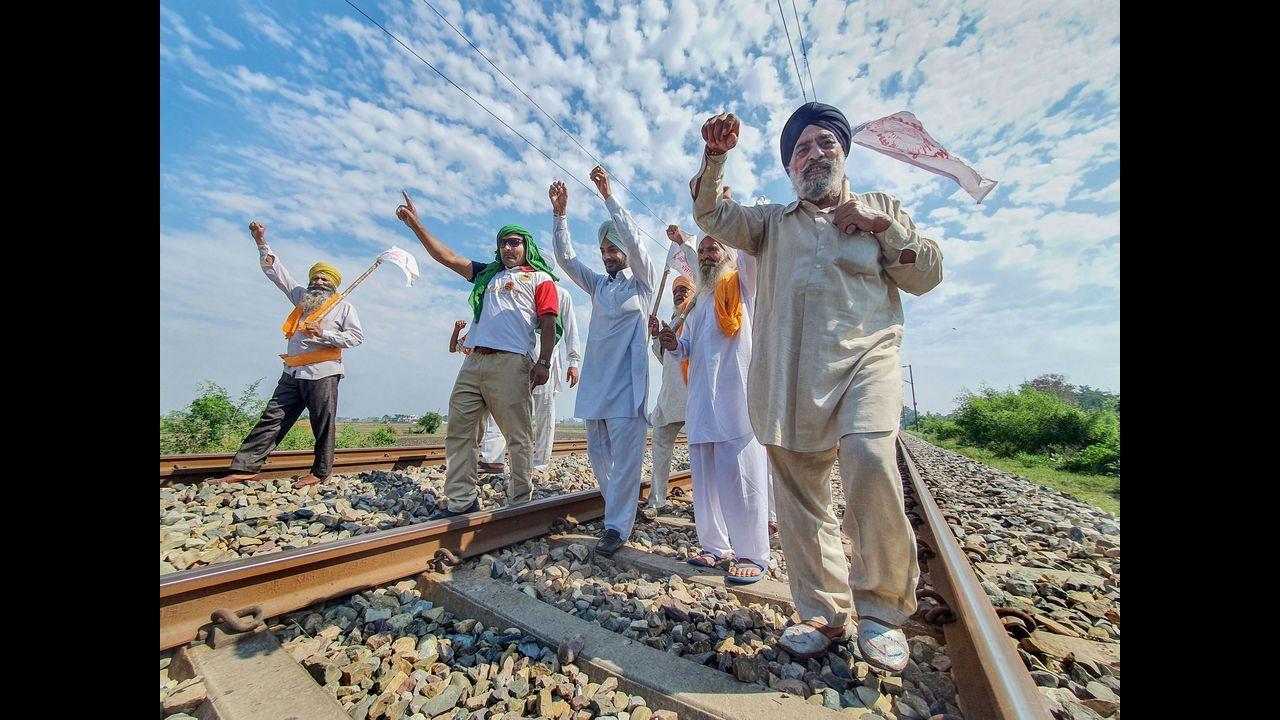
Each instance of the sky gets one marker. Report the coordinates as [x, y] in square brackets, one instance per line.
[308, 118]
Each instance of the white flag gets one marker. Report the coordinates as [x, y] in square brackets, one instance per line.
[902, 137]
[677, 261]
[403, 260]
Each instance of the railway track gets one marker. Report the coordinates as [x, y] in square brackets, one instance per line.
[285, 463]
[991, 679]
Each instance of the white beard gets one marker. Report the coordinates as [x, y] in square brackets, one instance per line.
[707, 279]
[822, 186]
[313, 299]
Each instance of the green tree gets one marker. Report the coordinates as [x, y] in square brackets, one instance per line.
[213, 421]
[431, 421]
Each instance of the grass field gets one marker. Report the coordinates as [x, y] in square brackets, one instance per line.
[1100, 491]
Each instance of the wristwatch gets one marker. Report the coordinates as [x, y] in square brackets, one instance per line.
[544, 363]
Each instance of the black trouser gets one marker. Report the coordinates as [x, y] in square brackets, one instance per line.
[292, 396]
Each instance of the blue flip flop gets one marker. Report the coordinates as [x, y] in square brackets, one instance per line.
[740, 580]
[705, 554]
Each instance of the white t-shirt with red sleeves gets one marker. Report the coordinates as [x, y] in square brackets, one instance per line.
[513, 301]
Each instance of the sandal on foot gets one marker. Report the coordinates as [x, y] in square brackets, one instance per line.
[745, 579]
[883, 645]
[811, 639]
[715, 559]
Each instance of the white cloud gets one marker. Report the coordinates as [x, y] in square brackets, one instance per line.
[348, 118]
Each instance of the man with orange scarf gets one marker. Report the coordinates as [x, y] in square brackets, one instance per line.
[730, 468]
[320, 326]
[668, 415]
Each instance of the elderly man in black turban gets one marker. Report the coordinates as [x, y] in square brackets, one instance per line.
[825, 381]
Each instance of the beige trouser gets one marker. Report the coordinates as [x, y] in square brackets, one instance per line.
[881, 581]
[498, 383]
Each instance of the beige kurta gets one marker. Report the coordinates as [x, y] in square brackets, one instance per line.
[828, 321]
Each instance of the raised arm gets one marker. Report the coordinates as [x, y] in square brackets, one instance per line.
[457, 328]
[272, 267]
[442, 253]
[715, 212]
[583, 276]
[638, 257]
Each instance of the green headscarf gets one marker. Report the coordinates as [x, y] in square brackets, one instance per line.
[532, 257]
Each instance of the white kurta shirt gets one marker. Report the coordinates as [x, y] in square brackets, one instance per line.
[826, 362]
[674, 394]
[718, 365]
[339, 328]
[615, 368]
[568, 352]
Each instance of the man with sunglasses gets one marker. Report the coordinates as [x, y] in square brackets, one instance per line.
[513, 301]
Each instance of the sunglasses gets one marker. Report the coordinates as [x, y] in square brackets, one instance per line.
[510, 242]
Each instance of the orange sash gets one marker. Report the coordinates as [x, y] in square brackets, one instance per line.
[729, 304]
[313, 357]
[294, 322]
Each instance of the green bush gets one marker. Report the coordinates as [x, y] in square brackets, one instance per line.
[349, 437]
[431, 421]
[382, 437]
[1028, 421]
[1097, 459]
[298, 438]
[939, 426]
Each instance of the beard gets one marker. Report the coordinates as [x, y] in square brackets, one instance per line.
[812, 185]
[313, 298]
[709, 274]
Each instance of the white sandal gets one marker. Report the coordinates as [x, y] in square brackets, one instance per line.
[812, 638]
[883, 645]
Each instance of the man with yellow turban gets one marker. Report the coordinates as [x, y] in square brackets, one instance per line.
[318, 329]
[730, 468]
[668, 413]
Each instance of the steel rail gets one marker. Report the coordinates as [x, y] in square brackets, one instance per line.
[284, 463]
[991, 680]
[286, 581]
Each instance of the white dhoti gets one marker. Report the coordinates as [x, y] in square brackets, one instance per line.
[664, 441]
[494, 445]
[544, 429]
[731, 497]
[616, 449]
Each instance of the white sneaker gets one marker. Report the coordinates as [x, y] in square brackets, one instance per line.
[804, 642]
[883, 646]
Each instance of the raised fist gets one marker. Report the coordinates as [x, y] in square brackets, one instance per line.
[721, 132]
[559, 195]
[601, 179]
[459, 324]
[259, 232]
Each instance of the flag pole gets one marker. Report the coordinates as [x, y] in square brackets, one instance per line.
[350, 287]
[661, 284]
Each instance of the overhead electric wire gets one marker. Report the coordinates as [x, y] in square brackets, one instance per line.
[799, 79]
[491, 113]
[804, 51]
[544, 112]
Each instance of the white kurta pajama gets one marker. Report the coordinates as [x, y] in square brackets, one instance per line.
[826, 380]
[614, 389]
[667, 418]
[568, 354]
[730, 470]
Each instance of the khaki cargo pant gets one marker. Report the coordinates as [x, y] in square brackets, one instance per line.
[881, 580]
[498, 383]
